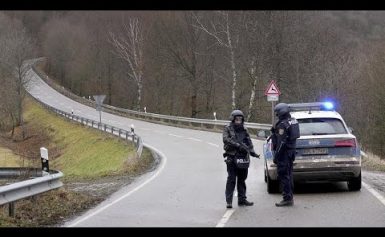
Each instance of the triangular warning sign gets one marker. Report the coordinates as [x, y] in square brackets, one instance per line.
[272, 89]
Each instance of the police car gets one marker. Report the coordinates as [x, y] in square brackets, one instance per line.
[326, 149]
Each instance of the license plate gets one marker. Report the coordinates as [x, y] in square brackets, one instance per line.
[315, 151]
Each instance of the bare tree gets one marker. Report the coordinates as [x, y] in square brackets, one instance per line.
[183, 45]
[17, 47]
[222, 30]
[129, 47]
[256, 42]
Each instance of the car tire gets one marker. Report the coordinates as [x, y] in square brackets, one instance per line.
[272, 185]
[355, 184]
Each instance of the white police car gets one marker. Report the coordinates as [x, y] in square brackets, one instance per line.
[326, 149]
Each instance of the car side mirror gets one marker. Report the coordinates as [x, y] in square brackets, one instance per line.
[262, 133]
[350, 129]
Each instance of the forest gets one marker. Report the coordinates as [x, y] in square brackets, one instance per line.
[195, 63]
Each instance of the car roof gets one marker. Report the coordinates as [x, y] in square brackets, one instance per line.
[315, 114]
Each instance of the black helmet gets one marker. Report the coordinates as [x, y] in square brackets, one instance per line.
[281, 109]
[236, 113]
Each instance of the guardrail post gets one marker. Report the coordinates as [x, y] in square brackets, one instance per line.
[112, 130]
[120, 131]
[126, 135]
[44, 160]
[105, 127]
[92, 123]
[11, 209]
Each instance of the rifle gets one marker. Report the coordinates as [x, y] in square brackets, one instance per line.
[248, 149]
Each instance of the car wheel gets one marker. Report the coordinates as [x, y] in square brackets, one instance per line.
[355, 184]
[272, 185]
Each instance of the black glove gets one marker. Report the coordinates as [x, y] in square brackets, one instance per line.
[252, 153]
[272, 129]
[228, 160]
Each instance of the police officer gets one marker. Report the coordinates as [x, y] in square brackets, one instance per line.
[238, 147]
[284, 136]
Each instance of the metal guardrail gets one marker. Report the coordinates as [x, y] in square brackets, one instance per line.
[121, 133]
[151, 116]
[16, 172]
[28, 188]
[16, 191]
[203, 124]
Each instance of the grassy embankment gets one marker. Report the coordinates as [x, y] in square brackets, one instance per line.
[81, 153]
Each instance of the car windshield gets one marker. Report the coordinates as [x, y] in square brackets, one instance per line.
[321, 126]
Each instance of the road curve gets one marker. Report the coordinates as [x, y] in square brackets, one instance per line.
[187, 189]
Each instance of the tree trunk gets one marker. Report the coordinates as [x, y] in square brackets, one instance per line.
[109, 85]
[139, 101]
[252, 97]
[20, 104]
[233, 88]
[194, 96]
[13, 125]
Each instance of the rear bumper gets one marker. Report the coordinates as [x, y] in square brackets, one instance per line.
[311, 170]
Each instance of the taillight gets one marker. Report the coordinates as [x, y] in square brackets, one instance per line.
[348, 143]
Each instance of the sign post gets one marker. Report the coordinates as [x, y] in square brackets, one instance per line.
[272, 92]
[99, 102]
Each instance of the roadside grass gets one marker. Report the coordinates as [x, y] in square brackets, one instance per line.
[83, 154]
[46, 209]
[9, 159]
[79, 151]
[373, 162]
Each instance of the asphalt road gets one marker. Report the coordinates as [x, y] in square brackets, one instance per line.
[187, 189]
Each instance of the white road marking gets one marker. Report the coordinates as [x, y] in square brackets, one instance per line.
[235, 193]
[225, 218]
[163, 160]
[174, 135]
[194, 139]
[212, 144]
[374, 192]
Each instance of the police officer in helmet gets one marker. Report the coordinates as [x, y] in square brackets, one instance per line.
[238, 148]
[284, 136]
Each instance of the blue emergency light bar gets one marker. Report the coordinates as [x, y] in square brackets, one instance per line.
[312, 106]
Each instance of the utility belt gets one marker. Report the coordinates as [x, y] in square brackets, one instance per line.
[242, 161]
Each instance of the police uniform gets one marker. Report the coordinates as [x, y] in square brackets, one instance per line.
[286, 132]
[237, 146]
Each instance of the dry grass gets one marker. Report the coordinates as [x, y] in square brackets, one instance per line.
[373, 162]
[46, 209]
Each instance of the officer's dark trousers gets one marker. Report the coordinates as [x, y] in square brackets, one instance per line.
[285, 174]
[235, 176]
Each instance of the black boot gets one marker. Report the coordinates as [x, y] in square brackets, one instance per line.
[285, 203]
[245, 203]
[229, 205]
